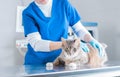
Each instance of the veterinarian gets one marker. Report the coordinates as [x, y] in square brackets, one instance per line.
[45, 22]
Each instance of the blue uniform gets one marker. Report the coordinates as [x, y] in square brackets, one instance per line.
[50, 28]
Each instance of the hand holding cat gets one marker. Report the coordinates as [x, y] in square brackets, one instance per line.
[98, 46]
[84, 47]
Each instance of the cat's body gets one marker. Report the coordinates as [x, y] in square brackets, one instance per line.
[73, 55]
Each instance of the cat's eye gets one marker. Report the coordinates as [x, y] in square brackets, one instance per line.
[67, 49]
[74, 49]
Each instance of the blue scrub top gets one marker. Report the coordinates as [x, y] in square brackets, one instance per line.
[63, 14]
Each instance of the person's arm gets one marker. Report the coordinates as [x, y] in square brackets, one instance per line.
[38, 44]
[55, 45]
[82, 32]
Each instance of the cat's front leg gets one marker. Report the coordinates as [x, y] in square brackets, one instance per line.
[59, 61]
[71, 66]
[56, 62]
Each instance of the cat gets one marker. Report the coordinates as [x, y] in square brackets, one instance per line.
[72, 55]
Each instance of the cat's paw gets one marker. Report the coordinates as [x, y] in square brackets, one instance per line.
[49, 66]
[72, 66]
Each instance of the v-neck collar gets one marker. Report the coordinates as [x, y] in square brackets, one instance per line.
[40, 13]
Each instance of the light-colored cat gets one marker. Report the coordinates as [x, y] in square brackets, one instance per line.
[72, 55]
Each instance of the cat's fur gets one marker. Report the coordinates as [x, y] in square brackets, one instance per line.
[73, 54]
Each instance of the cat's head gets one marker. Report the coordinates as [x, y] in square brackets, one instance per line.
[70, 46]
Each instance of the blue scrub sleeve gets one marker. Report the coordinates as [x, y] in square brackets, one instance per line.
[29, 24]
[72, 14]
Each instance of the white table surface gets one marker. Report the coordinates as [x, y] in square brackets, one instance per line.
[111, 69]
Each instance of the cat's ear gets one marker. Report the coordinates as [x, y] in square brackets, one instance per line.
[77, 42]
[63, 41]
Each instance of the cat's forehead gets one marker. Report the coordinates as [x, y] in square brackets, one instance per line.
[70, 42]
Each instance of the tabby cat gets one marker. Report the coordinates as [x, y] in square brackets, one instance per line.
[73, 55]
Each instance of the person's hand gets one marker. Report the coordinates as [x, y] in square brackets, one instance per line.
[84, 47]
[94, 43]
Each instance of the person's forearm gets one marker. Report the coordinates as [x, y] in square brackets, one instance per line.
[82, 32]
[38, 44]
[55, 45]
[88, 38]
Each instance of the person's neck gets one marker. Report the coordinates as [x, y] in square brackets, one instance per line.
[44, 2]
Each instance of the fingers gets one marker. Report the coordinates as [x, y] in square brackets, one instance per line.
[100, 49]
[84, 47]
[91, 48]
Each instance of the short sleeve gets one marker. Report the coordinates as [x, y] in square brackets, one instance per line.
[72, 14]
[28, 23]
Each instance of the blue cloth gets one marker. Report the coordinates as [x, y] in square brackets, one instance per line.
[51, 28]
[98, 46]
